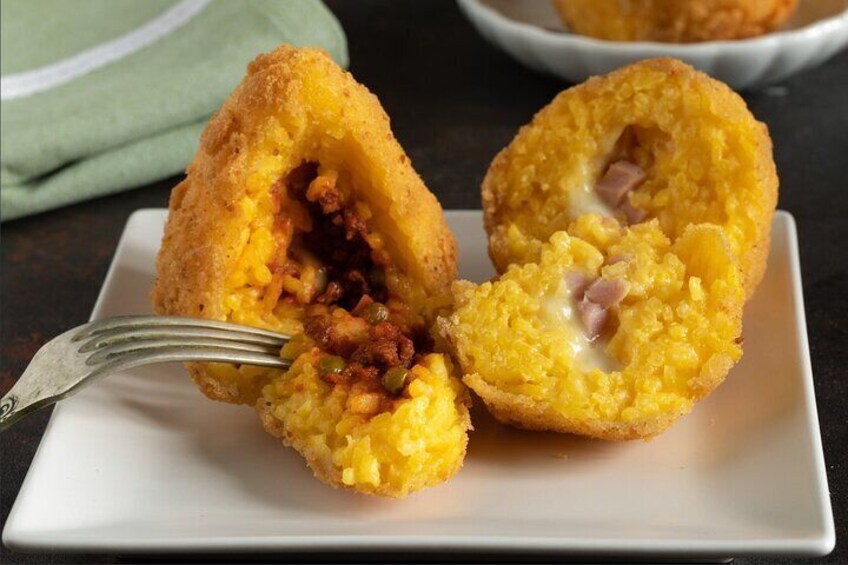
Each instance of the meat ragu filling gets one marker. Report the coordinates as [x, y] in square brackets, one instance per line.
[333, 265]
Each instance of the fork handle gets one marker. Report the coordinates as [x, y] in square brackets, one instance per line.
[8, 413]
[13, 409]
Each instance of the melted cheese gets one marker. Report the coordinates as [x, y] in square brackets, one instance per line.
[560, 313]
[587, 201]
[584, 199]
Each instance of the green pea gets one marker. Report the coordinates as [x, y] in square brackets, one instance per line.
[375, 313]
[395, 379]
[331, 365]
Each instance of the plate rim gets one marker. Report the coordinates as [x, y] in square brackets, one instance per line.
[18, 540]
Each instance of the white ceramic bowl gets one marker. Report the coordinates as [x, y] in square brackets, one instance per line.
[532, 33]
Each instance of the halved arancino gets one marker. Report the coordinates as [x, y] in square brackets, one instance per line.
[655, 139]
[364, 438]
[614, 333]
[301, 213]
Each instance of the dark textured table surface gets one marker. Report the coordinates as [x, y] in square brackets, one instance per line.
[454, 102]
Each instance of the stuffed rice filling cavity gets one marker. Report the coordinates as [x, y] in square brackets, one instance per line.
[364, 402]
[655, 139]
[314, 266]
[614, 333]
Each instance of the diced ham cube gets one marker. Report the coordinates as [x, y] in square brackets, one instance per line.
[633, 214]
[621, 177]
[607, 293]
[594, 317]
[577, 283]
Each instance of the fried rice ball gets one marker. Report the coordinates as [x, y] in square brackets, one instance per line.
[674, 21]
[299, 195]
[302, 214]
[356, 436]
[653, 140]
[614, 333]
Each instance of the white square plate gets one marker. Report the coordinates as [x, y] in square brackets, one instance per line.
[141, 462]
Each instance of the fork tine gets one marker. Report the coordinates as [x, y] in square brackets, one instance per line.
[134, 322]
[185, 354]
[105, 338]
[207, 344]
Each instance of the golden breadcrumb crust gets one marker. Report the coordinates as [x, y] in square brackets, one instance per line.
[674, 21]
[706, 157]
[419, 442]
[294, 106]
[670, 342]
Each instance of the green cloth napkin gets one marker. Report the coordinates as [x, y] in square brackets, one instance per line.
[137, 119]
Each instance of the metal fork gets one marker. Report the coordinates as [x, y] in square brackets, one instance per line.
[89, 352]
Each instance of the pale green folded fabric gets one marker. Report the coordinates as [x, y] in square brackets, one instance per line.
[136, 119]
